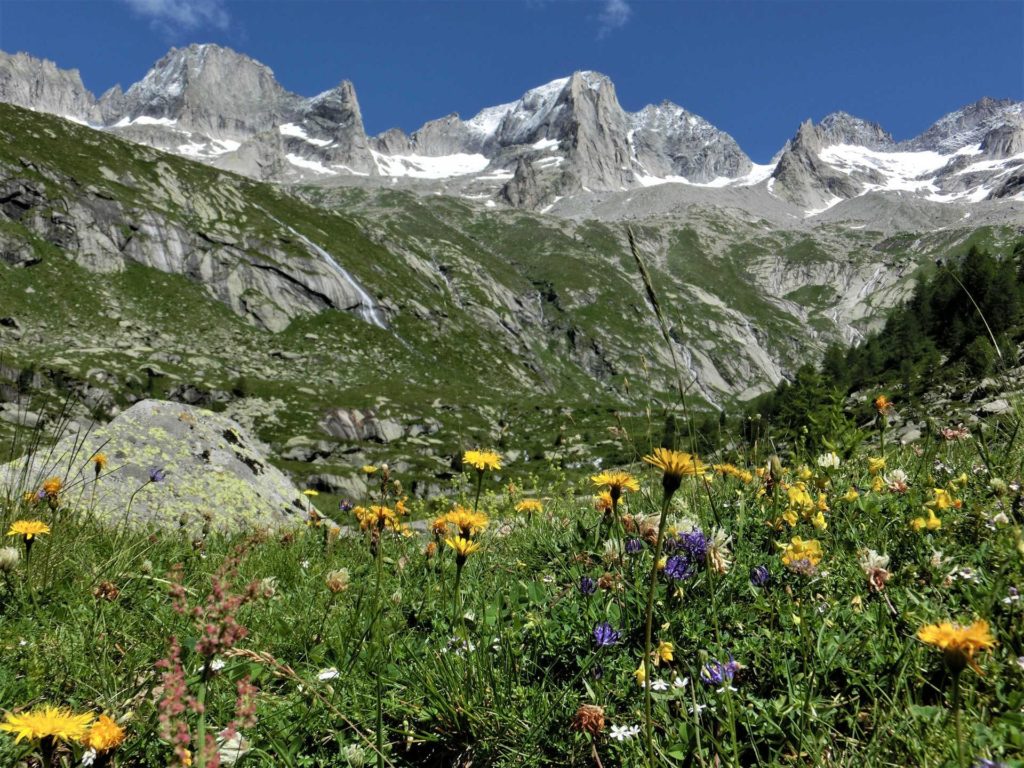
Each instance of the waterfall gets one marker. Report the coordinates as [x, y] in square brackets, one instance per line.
[368, 310]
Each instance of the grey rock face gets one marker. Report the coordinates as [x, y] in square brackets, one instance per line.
[843, 128]
[40, 85]
[801, 177]
[964, 126]
[1005, 140]
[256, 278]
[211, 90]
[669, 141]
[211, 468]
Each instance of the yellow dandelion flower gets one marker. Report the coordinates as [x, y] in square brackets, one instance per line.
[47, 723]
[463, 547]
[731, 470]
[616, 483]
[675, 465]
[368, 469]
[468, 522]
[530, 506]
[603, 502]
[99, 461]
[104, 735]
[883, 404]
[958, 644]
[310, 492]
[850, 495]
[440, 526]
[28, 529]
[482, 460]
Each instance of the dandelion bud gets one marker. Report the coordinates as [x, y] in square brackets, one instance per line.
[146, 569]
[355, 755]
[338, 581]
[9, 559]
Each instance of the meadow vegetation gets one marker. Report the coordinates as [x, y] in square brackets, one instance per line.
[805, 610]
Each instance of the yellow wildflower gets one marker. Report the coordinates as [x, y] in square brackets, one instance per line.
[731, 470]
[931, 523]
[99, 461]
[369, 469]
[616, 483]
[530, 506]
[875, 464]
[468, 522]
[47, 723]
[958, 644]
[104, 735]
[850, 495]
[482, 460]
[52, 487]
[310, 492]
[603, 502]
[942, 500]
[663, 653]
[640, 674]
[463, 547]
[675, 465]
[28, 529]
[798, 549]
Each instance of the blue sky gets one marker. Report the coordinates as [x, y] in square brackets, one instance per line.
[754, 69]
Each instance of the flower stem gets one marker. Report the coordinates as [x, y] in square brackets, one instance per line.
[956, 721]
[378, 694]
[649, 616]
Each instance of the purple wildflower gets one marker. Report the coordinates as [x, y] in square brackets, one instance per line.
[696, 545]
[634, 546]
[679, 568]
[760, 576]
[715, 673]
[985, 763]
[345, 505]
[587, 585]
[604, 635]
[156, 475]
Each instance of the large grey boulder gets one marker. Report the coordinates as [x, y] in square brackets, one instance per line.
[209, 468]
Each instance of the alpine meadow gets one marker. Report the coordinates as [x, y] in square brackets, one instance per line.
[556, 435]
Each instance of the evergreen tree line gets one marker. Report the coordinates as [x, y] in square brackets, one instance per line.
[965, 320]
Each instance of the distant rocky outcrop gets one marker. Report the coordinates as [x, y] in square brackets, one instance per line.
[170, 466]
[38, 84]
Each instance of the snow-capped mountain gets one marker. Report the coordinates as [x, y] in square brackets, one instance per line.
[569, 139]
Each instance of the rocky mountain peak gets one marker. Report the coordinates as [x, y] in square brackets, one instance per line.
[966, 126]
[667, 140]
[844, 128]
[40, 84]
[211, 89]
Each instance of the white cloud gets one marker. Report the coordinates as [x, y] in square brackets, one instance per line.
[614, 14]
[182, 14]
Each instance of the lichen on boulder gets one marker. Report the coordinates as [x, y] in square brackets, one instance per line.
[175, 465]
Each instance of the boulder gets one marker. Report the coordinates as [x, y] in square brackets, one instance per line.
[360, 424]
[208, 467]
